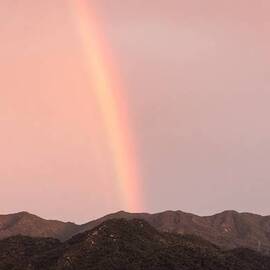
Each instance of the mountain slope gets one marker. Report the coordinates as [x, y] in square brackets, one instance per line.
[120, 244]
[228, 229]
[30, 225]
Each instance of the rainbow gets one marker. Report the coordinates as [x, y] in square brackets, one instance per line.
[110, 99]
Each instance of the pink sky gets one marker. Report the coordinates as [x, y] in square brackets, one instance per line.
[197, 77]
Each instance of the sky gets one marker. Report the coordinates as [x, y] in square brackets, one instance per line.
[195, 77]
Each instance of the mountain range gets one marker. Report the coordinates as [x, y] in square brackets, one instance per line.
[227, 230]
[121, 244]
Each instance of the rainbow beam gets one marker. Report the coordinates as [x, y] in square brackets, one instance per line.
[111, 102]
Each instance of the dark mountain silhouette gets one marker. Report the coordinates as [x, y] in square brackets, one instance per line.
[121, 244]
[228, 229]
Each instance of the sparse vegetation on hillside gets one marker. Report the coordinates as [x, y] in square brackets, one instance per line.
[120, 244]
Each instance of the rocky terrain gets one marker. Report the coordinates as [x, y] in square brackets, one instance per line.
[121, 244]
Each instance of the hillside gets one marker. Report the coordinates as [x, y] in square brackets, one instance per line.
[120, 244]
[228, 229]
[30, 225]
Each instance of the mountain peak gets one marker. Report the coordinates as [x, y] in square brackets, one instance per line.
[228, 229]
[23, 213]
[125, 244]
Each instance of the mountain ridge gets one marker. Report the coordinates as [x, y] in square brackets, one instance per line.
[228, 229]
[118, 244]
